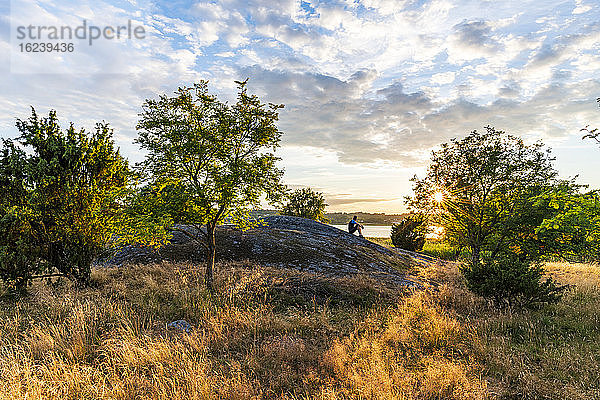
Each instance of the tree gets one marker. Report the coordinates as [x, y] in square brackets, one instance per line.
[484, 191]
[62, 199]
[409, 233]
[306, 203]
[479, 188]
[592, 133]
[573, 230]
[208, 162]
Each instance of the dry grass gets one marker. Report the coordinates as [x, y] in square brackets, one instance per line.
[418, 353]
[382, 241]
[580, 275]
[549, 353]
[285, 334]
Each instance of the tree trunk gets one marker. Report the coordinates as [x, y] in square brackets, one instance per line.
[475, 255]
[210, 260]
[457, 253]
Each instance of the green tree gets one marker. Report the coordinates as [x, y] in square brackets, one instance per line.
[592, 133]
[484, 191]
[409, 234]
[62, 199]
[573, 230]
[479, 188]
[208, 162]
[306, 203]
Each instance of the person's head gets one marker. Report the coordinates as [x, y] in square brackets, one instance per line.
[354, 218]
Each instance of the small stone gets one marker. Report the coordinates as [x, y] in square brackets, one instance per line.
[180, 324]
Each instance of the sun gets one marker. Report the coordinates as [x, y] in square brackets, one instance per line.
[438, 196]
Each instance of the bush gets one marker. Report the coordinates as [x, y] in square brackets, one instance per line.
[509, 281]
[19, 254]
[409, 234]
[62, 198]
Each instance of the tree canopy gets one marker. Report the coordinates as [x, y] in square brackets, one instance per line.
[572, 232]
[486, 191]
[306, 203]
[209, 162]
[62, 199]
[592, 133]
[480, 188]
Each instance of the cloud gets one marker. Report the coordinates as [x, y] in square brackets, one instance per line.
[341, 119]
[371, 83]
[472, 40]
[395, 125]
[581, 8]
[336, 200]
[443, 78]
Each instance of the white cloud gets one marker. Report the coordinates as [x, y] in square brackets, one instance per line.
[581, 8]
[443, 78]
[372, 84]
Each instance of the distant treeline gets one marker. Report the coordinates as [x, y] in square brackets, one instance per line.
[339, 218]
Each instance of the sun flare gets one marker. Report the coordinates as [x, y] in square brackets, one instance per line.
[438, 196]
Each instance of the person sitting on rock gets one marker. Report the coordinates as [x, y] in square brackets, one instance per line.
[354, 226]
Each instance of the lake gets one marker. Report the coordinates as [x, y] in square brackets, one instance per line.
[380, 231]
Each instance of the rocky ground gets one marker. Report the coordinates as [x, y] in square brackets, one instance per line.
[286, 242]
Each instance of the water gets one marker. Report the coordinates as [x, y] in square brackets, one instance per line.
[380, 231]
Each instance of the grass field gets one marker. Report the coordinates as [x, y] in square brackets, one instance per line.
[284, 334]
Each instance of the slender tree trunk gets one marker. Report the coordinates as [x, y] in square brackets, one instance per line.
[457, 253]
[475, 255]
[210, 260]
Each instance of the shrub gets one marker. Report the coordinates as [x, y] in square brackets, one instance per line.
[62, 196]
[19, 254]
[509, 281]
[409, 234]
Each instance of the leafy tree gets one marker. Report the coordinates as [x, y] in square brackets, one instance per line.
[306, 203]
[409, 233]
[484, 190]
[573, 231]
[62, 199]
[592, 133]
[208, 162]
[479, 188]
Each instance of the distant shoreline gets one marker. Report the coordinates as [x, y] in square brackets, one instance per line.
[371, 230]
[339, 218]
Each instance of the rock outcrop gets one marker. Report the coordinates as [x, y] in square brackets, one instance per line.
[286, 242]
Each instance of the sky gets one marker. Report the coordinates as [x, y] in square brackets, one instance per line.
[370, 87]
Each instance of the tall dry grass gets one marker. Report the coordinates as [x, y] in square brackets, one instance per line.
[271, 333]
[416, 352]
[552, 352]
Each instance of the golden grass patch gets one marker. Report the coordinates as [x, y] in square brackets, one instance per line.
[271, 333]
